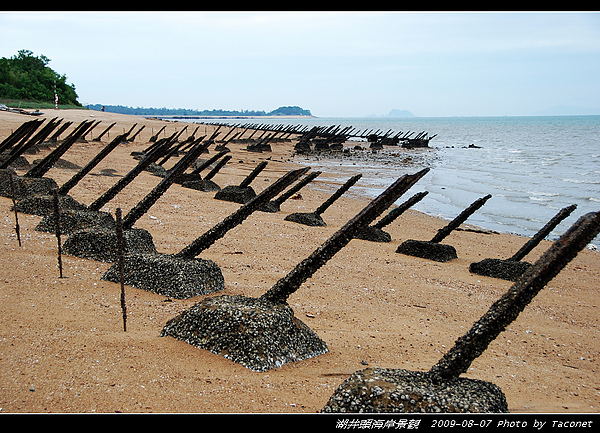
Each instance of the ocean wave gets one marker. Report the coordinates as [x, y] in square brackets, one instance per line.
[544, 194]
[579, 181]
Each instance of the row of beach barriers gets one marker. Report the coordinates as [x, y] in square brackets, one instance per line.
[223, 324]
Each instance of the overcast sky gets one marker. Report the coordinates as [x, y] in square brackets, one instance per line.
[336, 64]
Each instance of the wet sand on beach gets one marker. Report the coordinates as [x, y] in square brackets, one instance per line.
[63, 348]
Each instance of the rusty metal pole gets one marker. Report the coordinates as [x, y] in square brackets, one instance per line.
[248, 180]
[121, 262]
[12, 188]
[108, 128]
[68, 185]
[301, 184]
[461, 218]
[46, 164]
[152, 156]
[345, 187]
[504, 311]
[57, 231]
[395, 213]
[542, 233]
[236, 218]
[287, 285]
[144, 205]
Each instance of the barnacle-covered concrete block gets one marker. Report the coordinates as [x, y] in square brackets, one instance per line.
[167, 275]
[381, 390]
[236, 194]
[43, 205]
[257, 334]
[72, 221]
[427, 250]
[510, 270]
[25, 186]
[100, 244]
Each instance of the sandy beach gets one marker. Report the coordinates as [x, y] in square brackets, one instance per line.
[63, 348]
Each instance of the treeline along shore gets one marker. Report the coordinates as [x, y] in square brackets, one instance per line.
[173, 267]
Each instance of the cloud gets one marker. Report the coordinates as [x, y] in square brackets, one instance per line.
[333, 63]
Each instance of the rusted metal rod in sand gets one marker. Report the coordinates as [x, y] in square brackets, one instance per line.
[130, 139]
[287, 285]
[12, 189]
[144, 205]
[44, 132]
[148, 159]
[297, 187]
[90, 129]
[217, 167]
[236, 218]
[46, 164]
[504, 311]
[21, 134]
[345, 187]
[108, 128]
[248, 180]
[18, 143]
[68, 185]
[58, 133]
[542, 233]
[208, 162]
[461, 218]
[57, 230]
[155, 136]
[396, 212]
[121, 260]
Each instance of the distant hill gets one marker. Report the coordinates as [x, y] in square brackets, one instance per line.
[400, 113]
[141, 111]
[28, 78]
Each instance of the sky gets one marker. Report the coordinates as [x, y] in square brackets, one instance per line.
[335, 64]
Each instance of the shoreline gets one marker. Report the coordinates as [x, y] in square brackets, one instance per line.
[64, 350]
[182, 117]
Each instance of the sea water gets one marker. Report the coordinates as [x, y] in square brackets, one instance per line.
[532, 166]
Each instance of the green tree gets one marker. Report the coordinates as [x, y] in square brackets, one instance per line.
[28, 77]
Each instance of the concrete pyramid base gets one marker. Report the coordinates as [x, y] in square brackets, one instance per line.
[236, 194]
[510, 270]
[427, 250]
[72, 221]
[201, 185]
[168, 275]
[381, 390]
[374, 234]
[25, 186]
[257, 334]
[101, 245]
[43, 205]
[308, 219]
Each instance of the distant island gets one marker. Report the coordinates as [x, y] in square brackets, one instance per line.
[177, 112]
[400, 113]
[396, 113]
